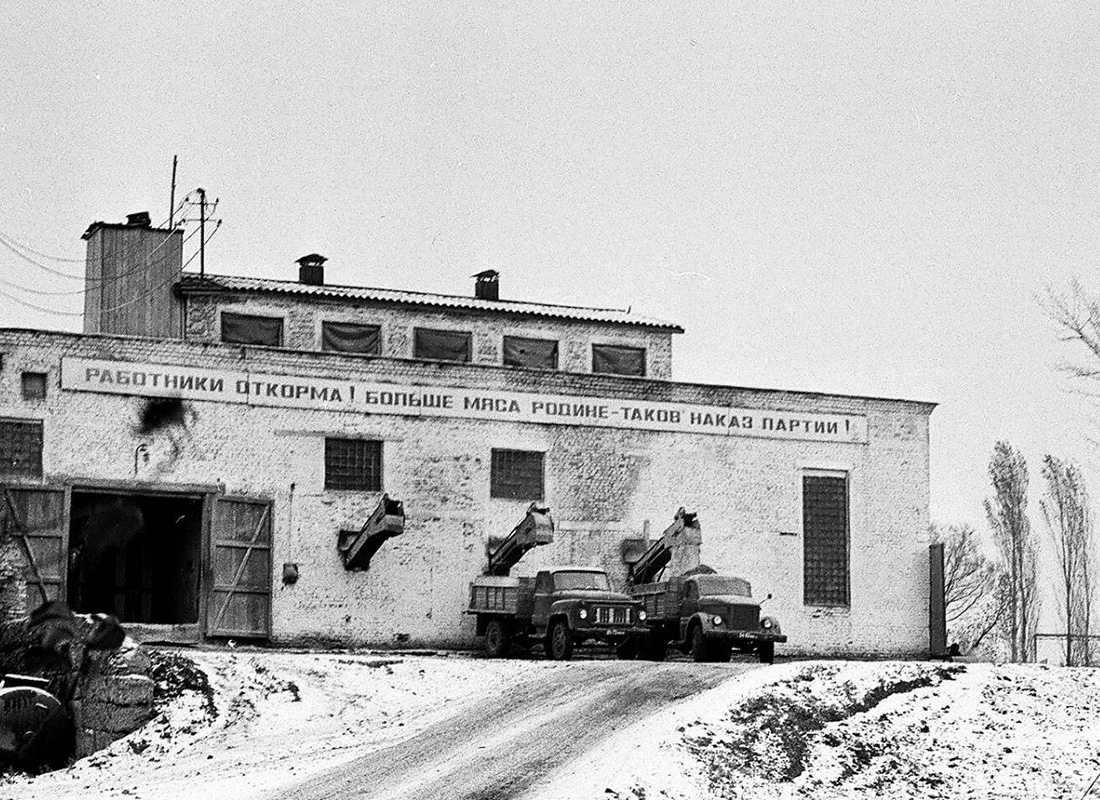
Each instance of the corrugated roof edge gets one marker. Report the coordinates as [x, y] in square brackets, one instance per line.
[193, 283]
[927, 404]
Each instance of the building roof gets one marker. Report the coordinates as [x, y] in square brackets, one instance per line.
[193, 284]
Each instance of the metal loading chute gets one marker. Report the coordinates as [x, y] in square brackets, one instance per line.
[386, 521]
[680, 542]
[537, 528]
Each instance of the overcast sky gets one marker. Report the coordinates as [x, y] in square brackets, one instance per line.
[862, 199]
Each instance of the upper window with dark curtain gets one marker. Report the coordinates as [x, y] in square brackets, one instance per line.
[442, 345]
[530, 353]
[615, 359]
[252, 329]
[351, 337]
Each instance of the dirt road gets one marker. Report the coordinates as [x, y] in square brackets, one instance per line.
[500, 748]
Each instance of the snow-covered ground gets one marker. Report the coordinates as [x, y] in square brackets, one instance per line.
[796, 730]
[827, 730]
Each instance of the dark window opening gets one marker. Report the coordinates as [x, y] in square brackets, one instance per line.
[34, 385]
[516, 475]
[615, 359]
[252, 329]
[20, 448]
[351, 337]
[530, 353]
[441, 345]
[353, 465]
[825, 540]
[136, 556]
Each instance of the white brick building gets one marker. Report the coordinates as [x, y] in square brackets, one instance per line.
[197, 482]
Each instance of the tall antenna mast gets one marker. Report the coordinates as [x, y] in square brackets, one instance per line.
[172, 196]
[202, 232]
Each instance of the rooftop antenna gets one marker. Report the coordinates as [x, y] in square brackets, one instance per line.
[172, 196]
[202, 232]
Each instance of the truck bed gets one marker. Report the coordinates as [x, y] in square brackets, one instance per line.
[661, 600]
[503, 595]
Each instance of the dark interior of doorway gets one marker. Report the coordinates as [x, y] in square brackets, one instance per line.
[135, 556]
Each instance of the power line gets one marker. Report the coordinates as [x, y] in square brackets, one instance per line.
[17, 247]
[100, 281]
[129, 302]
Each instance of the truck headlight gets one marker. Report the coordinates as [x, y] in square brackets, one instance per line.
[766, 623]
[583, 613]
[642, 615]
[717, 620]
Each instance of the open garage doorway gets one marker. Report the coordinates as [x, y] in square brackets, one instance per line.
[137, 556]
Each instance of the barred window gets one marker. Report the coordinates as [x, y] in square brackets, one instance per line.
[531, 353]
[516, 475]
[252, 329]
[351, 337]
[20, 448]
[34, 385]
[615, 359]
[441, 345]
[353, 465]
[825, 539]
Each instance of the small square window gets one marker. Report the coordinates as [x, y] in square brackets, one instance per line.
[20, 448]
[613, 359]
[353, 465]
[516, 475]
[34, 385]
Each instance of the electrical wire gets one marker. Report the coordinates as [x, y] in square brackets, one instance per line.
[17, 248]
[129, 302]
[101, 282]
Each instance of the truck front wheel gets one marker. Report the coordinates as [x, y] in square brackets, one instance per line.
[699, 650]
[767, 653]
[497, 642]
[560, 644]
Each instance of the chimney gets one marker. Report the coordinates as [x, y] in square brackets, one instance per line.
[487, 285]
[139, 220]
[311, 269]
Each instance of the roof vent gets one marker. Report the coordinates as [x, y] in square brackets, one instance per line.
[139, 220]
[487, 285]
[311, 269]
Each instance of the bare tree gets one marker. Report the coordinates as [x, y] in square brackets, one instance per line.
[970, 581]
[1065, 508]
[1078, 317]
[1007, 514]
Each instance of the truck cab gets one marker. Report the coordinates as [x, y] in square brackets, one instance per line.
[707, 616]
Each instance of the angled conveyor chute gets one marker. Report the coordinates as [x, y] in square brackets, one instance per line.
[683, 538]
[537, 528]
[386, 521]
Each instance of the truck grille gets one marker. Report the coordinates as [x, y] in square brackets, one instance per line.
[612, 615]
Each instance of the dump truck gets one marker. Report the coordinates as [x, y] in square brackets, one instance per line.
[559, 608]
[703, 614]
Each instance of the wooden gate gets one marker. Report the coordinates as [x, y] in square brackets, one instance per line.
[239, 589]
[39, 523]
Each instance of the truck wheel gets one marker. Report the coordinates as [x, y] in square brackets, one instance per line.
[654, 647]
[767, 653]
[497, 642]
[560, 644]
[627, 649]
[699, 650]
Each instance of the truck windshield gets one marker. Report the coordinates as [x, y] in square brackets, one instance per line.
[581, 580]
[716, 584]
